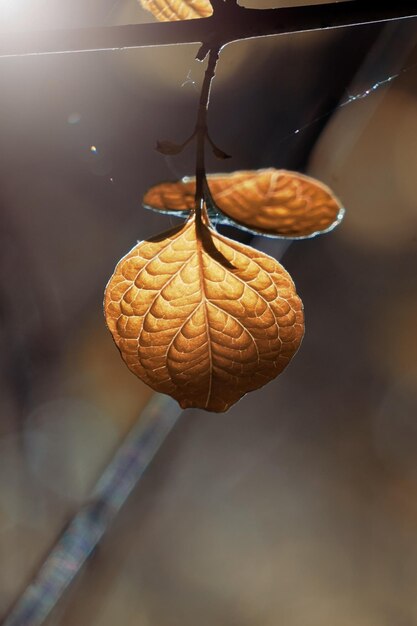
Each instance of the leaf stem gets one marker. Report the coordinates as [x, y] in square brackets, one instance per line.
[201, 133]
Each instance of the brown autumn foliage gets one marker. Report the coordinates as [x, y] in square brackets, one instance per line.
[196, 315]
[271, 202]
[206, 319]
[203, 318]
[173, 10]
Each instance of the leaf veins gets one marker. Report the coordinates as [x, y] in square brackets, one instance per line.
[203, 318]
[174, 10]
[277, 203]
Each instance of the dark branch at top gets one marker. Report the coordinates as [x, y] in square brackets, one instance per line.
[229, 22]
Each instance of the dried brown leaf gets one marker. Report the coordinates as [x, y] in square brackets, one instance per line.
[203, 318]
[219, 153]
[173, 10]
[272, 202]
[169, 147]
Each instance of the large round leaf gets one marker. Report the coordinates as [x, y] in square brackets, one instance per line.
[203, 318]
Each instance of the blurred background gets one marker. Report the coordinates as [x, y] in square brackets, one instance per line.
[299, 505]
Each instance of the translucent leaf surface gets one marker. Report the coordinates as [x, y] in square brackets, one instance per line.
[203, 318]
[173, 10]
[272, 202]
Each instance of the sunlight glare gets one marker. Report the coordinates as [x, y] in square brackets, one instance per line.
[10, 9]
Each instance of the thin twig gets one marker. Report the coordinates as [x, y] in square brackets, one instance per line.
[230, 23]
[201, 132]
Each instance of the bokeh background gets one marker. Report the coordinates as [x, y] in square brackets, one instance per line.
[299, 505]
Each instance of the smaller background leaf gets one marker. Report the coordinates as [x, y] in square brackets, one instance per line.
[276, 203]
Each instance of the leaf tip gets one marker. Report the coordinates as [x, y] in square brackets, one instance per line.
[220, 154]
[168, 147]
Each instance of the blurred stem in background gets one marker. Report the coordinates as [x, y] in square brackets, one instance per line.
[87, 528]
